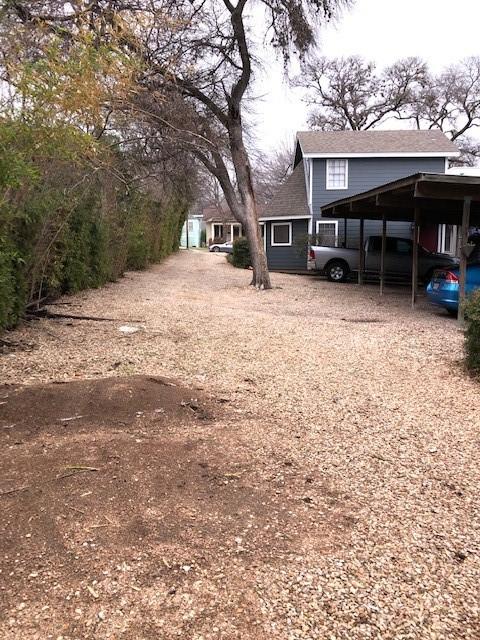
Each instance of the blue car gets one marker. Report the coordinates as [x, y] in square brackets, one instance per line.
[444, 286]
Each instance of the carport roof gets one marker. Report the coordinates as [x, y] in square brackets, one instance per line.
[438, 197]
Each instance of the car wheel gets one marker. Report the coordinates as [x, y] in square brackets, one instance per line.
[337, 271]
[452, 312]
[216, 249]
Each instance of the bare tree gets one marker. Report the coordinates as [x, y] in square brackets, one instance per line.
[272, 170]
[450, 102]
[349, 93]
[197, 63]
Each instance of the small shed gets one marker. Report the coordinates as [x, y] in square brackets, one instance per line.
[191, 233]
[423, 198]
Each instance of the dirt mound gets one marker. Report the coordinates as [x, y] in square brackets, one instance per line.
[105, 402]
[123, 501]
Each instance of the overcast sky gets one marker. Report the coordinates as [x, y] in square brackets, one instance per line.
[441, 31]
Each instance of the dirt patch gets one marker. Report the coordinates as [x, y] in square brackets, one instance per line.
[118, 498]
[91, 404]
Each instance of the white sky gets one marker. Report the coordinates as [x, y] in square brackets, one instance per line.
[441, 31]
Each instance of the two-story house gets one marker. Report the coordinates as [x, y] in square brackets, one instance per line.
[330, 165]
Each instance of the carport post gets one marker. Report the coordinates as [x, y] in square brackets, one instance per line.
[463, 257]
[382, 255]
[416, 220]
[361, 261]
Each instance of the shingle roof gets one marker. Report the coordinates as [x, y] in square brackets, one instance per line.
[221, 213]
[218, 213]
[290, 198]
[362, 142]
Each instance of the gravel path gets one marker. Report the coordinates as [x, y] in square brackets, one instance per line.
[356, 407]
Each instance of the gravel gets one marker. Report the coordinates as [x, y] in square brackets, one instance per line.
[356, 406]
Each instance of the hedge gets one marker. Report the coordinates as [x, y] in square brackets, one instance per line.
[472, 332]
[240, 256]
[65, 226]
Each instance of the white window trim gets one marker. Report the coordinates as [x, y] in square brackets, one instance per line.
[326, 175]
[281, 244]
[217, 224]
[442, 232]
[321, 222]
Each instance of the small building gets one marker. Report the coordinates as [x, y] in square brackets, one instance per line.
[220, 225]
[330, 165]
[192, 232]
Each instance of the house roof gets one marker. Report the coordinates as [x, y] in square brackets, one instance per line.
[290, 200]
[222, 214]
[218, 213]
[376, 143]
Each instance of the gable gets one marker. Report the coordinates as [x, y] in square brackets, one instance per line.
[290, 200]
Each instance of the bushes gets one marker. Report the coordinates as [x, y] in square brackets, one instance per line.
[472, 332]
[240, 256]
[66, 225]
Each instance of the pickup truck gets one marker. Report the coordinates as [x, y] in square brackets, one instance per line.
[338, 263]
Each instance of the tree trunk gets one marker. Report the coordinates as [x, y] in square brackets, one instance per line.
[261, 276]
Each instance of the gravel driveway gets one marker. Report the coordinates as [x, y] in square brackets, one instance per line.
[350, 412]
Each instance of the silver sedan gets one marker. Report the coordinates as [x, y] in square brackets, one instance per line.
[225, 247]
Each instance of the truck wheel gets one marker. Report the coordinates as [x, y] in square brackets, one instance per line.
[337, 271]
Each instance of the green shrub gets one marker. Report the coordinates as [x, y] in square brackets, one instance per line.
[65, 227]
[13, 293]
[472, 332]
[240, 256]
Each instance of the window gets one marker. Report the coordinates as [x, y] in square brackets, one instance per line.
[218, 230]
[327, 233]
[447, 238]
[337, 174]
[281, 234]
[190, 226]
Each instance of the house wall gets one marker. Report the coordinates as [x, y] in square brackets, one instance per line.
[429, 237]
[227, 228]
[365, 174]
[288, 258]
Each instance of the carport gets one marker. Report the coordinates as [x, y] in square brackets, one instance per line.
[424, 198]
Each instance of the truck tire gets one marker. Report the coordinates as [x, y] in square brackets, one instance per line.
[337, 271]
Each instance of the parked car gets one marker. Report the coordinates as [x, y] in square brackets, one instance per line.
[444, 287]
[337, 263]
[225, 247]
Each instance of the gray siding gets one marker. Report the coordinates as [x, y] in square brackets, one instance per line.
[365, 174]
[286, 258]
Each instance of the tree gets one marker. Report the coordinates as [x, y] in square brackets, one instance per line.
[197, 61]
[350, 93]
[272, 171]
[450, 101]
